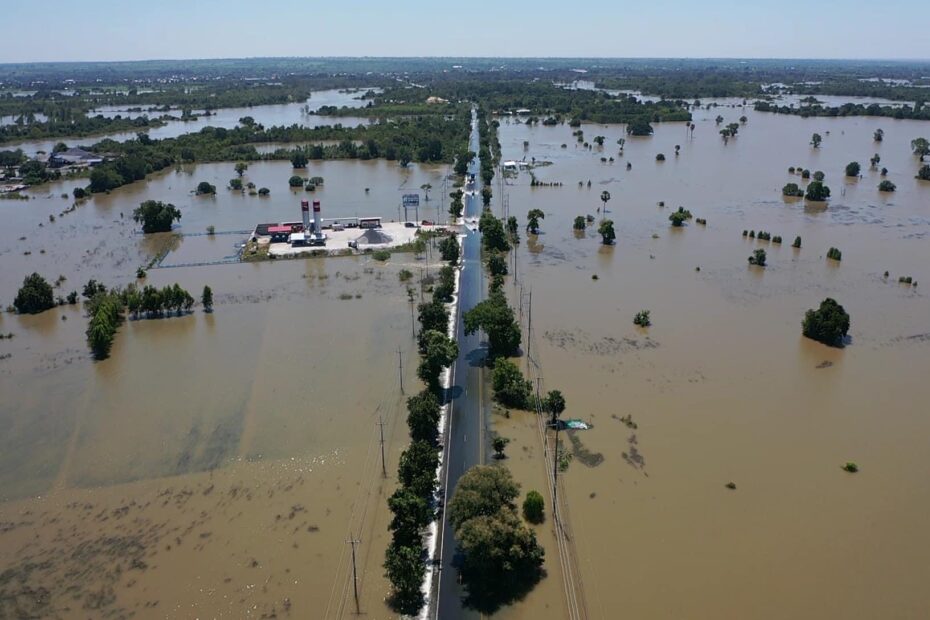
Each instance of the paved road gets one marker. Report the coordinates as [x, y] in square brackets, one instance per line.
[465, 442]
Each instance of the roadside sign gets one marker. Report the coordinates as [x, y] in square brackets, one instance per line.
[411, 200]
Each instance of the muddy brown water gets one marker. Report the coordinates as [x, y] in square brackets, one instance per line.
[723, 387]
[215, 463]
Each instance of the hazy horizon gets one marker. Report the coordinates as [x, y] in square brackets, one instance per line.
[108, 31]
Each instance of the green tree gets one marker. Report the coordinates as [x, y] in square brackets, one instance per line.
[639, 127]
[532, 220]
[295, 181]
[235, 185]
[426, 187]
[405, 569]
[921, 147]
[206, 299]
[481, 491]
[828, 324]
[499, 444]
[439, 352]
[679, 217]
[493, 235]
[579, 223]
[510, 388]
[554, 404]
[758, 257]
[599, 140]
[879, 135]
[496, 319]
[792, 190]
[924, 173]
[449, 250]
[34, 296]
[241, 167]
[486, 195]
[204, 188]
[606, 231]
[642, 319]
[423, 411]
[156, 216]
[852, 169]
[299, 160]
[497, 266]
[433, 316]
[819, 176]
[104, 179]
[817, 191]
[417, 468]
[886, 186]
[816, 139]
[533, 507]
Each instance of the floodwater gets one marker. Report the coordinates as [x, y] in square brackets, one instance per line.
[723, 387]
[215, 464]
[285, 114]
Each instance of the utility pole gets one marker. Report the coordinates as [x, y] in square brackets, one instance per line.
[555, 475]
[353, 542]
[400, 369]
[529, 331]
[383, 466]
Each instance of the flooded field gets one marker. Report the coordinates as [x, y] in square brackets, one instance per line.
[215, 463]
[285, 114]
[723, 387]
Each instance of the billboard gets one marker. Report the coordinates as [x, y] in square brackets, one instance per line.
[411, 200]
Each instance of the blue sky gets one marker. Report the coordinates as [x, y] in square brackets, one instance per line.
[129, 30]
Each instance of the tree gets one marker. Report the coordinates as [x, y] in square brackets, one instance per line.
[235, 185]
[493, 236]
[828, 324]
[405, 569]
[816, 139]
[299, 159]
[156, 216]
[433, 316]
[486, 194]
[792, 190]
[719, 119]
[423, 411]
[295, 181]
[439, 351]
[921, 147]
[758, 258]
[579, 223]
[206, 299]
[660, 157]
[852, 169]
[886, 186]
[34, 296]
[405, 157]
[819, 176]
[496, 319]
[499, 444]
[605, 198]
[817, 191]
[449, 250]
[105, 178]
[513, 229]
[639, 127]
[510, 388]
[554, 404]
[642, 319]
[797, 242]
[482, 491]
[834, 254]
[264, 191]
[533, 507]
[606, 231]
[532, 220]
[204, 188]
[241, 167]
[879, 135]
[924, 173]
[79, 193]
[417, 468]
[456, 206]
[679, 217]
[497, 266]
[599, 140]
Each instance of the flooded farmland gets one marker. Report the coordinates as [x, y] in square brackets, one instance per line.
[215, 463]
[723, 388]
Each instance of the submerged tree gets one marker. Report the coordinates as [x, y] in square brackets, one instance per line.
[34, 296]
[828, 324]
[532, 220]
[852, 169]
[606, 231]
[156, 216]
[816, 139]
[206, 299]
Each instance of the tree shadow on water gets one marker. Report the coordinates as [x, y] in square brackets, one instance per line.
[487, 593]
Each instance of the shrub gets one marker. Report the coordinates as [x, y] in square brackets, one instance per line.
[819, 176]
[797, 242]
[204, 188]
[606, 230]
[679, 217]
[851, 467]
[264, 191]
[805, 174]
[295, 181]
[533, 507]
[79, 193]
[852, 169]
[924, 173]
[828, 324]
[642, 319]
[886, 186]
[404, 275]
[381, 255]
[579, 223]
[660, 157]
[235, 185]
[510, 388]
[34, 296]
[792, 190]
[817, 191]
[758, 258]
[835, 254]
